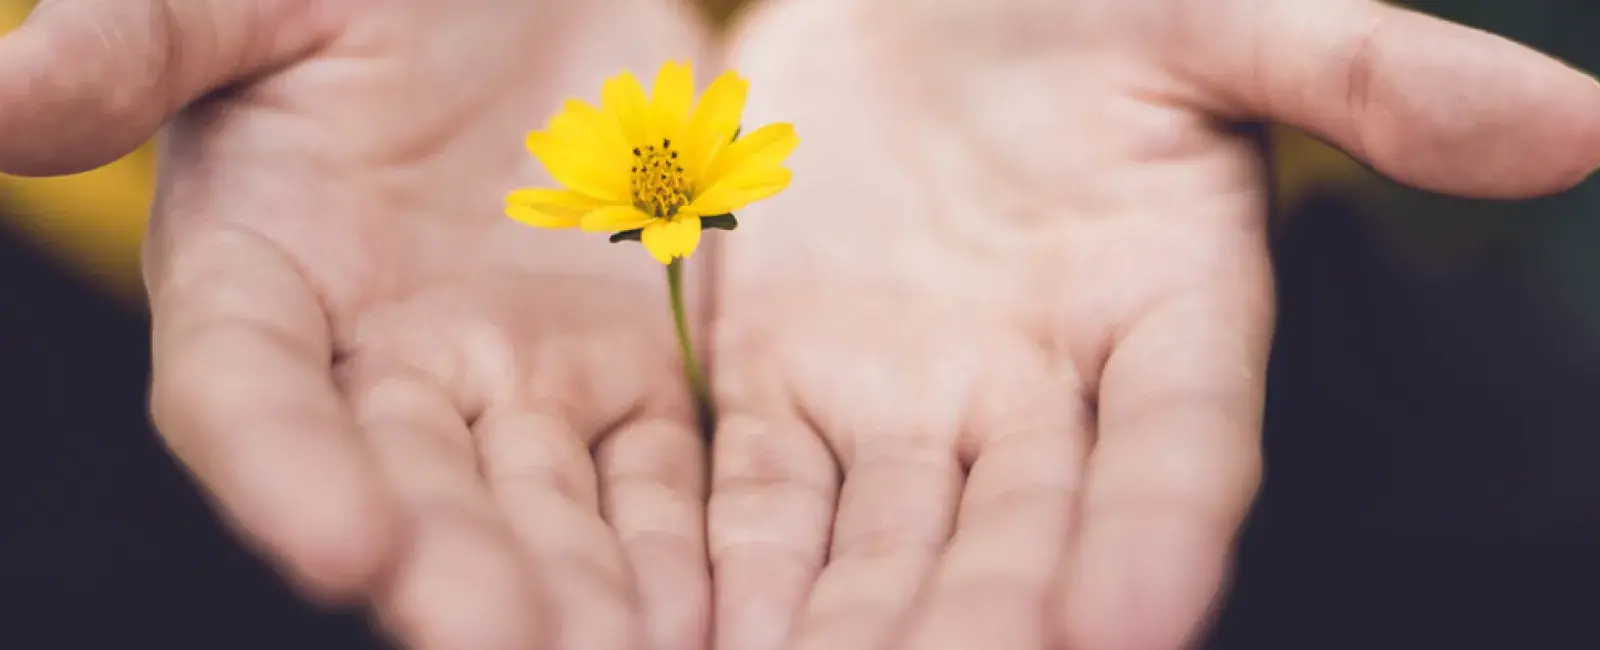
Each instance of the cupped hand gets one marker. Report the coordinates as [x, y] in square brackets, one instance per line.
[400, 395]
[991, 372]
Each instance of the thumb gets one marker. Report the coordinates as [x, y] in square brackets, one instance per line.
[84, 82]
[1432, 104]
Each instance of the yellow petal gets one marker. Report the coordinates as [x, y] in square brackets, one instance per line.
[616, 218]
[545, 197]
[667, 240]
[585, 126]
[670, 101]
[714, 122]
[765, 148]
[740, 189]
[573, 166]
[622, 98]
[539, 219]
[548, 208]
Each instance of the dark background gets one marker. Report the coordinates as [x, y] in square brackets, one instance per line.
[1433, 438]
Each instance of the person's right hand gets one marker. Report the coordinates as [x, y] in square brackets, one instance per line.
[398, 394]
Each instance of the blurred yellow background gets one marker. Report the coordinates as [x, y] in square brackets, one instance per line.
[94, 221]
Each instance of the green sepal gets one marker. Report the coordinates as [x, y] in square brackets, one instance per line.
[715, 222]
[720, 222]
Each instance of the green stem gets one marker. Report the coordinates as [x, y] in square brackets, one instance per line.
[691, 362]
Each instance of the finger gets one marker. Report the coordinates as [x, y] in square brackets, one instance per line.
[652, 483]
[543, 479]
[84, 82]
[462, 583]
[1430, 103]
[1172, 474]
[773, 488]
[242, 393]
[896, 510]
[991, 586]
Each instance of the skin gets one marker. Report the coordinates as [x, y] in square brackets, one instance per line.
[994, 377]
[400, 396]
[990, 372]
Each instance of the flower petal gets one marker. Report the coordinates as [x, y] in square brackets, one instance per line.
[740, 189]
[573, 166]
[667, 240]
[622, 97]
[670, 101]
[616, 218]
[585, 126]
[546, 197]
[539, 219]
[765, 148]
[714, 122]
[548, 208]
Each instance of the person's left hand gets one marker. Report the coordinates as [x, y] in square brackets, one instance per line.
[991, 372]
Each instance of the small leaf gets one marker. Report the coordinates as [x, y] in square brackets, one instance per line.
[627, 235]
[720, 222]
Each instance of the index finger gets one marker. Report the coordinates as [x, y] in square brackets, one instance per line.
[1173, 472]
[243, 394]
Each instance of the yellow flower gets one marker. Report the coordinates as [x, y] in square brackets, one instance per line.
[659, 167]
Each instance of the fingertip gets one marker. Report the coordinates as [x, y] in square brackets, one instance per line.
[675, 588]
[85, 83]
[1458, 110]
[315, 505]
[1432, 104]
[339, 553]
[1142, 585]
[328, 521]
[461, 586]
[61, 119]
[1584, 137]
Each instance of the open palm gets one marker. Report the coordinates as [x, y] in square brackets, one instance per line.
[991, 372]
[401, 395]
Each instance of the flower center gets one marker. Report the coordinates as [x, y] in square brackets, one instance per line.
[659, 185]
